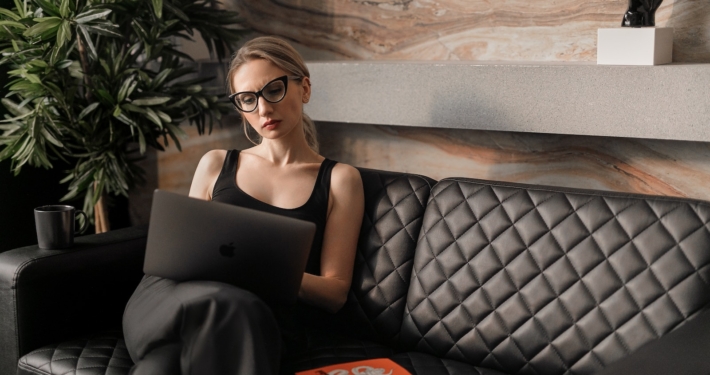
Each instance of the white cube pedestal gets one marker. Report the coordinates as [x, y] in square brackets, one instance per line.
[635, 46]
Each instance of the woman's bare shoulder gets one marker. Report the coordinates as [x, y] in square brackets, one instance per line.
[345, 177]
[212, 160]
[208, 170]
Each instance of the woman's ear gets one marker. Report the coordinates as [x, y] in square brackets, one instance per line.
[306, 85]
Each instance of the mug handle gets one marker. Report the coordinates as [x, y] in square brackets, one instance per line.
[86, 221]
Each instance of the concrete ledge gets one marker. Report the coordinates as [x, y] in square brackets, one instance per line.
[657, 102]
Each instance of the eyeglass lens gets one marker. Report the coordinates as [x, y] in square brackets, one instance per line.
[272, 93]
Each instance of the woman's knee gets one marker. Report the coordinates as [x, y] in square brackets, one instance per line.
[221, 299]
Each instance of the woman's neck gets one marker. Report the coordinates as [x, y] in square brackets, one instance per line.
[287, 151]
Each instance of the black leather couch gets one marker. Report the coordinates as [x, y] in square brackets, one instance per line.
[459, 276]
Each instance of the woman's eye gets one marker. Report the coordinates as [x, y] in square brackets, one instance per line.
[275, 91]
[247, 100]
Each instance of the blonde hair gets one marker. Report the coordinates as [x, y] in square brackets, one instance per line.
[281, 54]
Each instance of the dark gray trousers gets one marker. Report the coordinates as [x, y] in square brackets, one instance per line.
[199, 327]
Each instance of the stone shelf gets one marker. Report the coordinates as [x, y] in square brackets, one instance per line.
[657, 102]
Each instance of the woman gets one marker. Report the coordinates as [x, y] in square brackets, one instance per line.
[201, 327]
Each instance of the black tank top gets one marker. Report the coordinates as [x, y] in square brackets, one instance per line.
[314, 210]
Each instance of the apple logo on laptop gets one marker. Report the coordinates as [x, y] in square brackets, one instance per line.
[227, 250]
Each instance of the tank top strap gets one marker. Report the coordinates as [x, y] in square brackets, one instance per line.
[323, 187]
[327, 171]
[226, 175]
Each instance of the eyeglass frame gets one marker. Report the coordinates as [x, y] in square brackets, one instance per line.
[259, 93]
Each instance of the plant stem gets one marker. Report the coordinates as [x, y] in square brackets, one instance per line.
[84, 67]
[101, 222]
[100, 210]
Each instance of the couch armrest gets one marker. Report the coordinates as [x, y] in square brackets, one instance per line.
[49, 296]
[684, 351]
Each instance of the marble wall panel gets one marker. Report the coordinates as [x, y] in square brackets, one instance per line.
[671, 168]
[509, 30]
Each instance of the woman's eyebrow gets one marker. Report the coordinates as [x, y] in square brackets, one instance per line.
[260, 87]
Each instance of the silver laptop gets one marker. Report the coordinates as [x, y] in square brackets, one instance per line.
[193, 239]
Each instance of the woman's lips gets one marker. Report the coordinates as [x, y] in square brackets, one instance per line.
[271, 124]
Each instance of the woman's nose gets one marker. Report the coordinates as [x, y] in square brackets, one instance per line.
[264, 107]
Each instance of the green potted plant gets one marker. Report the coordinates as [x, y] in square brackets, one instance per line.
[96, 82]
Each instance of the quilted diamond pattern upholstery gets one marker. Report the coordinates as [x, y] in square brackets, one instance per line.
[394, 207]
[536, 280]
[426, 364]
[103, 354]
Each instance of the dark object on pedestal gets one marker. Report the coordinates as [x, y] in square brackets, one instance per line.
[641, 13]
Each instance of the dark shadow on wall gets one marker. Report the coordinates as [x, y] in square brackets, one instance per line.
[690, 20]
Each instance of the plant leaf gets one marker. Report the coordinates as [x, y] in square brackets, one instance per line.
[177, 12]
[164, 116]
[140, 30]
[47, 25]
[92, 15]
[156, 100]
[33, 78]
[126, 120]
[158, 8]
[14, 108]
[152, 116]
[10, 14]
[89, 42]
[123, 91]
[26, 86]
[90, 108]
[107, 30]
[132, 108]
[13, 24]
[105, 95]
[158, 80]
[48, 136]
[38, 63]
[64, 9]
[180, 102]
[104, 65]
[173, 131]
[141, 141]
[64, 33]
[64, 64]
[48, 7]
[177, 131]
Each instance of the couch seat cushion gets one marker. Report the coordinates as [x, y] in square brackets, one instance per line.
[427, 364]
[103, 354]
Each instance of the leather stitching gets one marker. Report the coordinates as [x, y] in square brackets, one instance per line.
[32, 369]
[478, 280]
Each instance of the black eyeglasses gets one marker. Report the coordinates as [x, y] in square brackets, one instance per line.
[272, 92]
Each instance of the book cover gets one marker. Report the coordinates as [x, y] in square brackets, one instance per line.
[379, 366]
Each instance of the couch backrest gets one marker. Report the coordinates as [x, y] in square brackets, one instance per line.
[537, 280]
[394, 207]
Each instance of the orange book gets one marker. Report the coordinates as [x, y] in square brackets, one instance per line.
[379, 366]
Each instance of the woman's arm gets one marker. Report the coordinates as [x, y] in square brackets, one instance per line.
[206, 174]
[330, 290]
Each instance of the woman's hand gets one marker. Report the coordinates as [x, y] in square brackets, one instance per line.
[345, 210]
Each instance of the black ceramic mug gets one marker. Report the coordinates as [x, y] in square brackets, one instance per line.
[56, 224]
